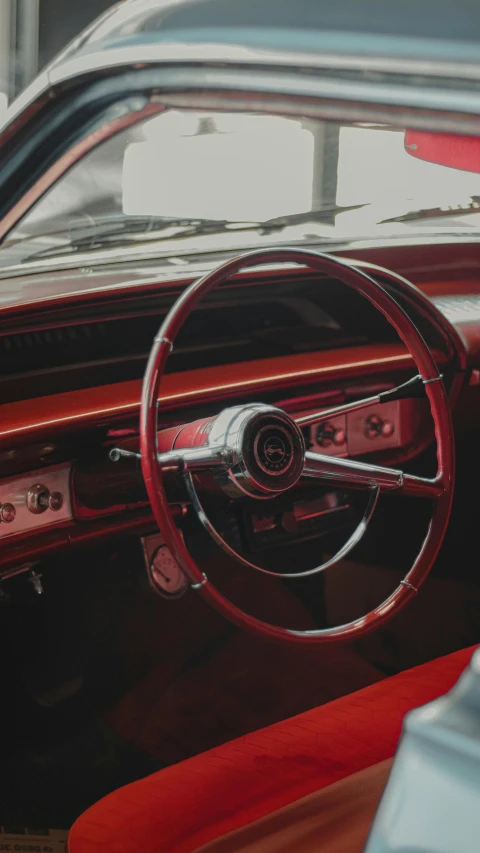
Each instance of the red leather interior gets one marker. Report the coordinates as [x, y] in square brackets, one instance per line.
[191, 803]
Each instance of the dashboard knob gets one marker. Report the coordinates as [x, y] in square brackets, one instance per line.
[339, 437]
[55, 501]
[388, 428]
[38, 498]
[328, 434]
[375, 426]
[8, 513]
[289, 522]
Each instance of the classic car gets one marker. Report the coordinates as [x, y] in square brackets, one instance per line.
[239, 415]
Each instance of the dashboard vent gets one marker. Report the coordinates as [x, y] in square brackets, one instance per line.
[241, 324]
[50, 346]
[44, 338]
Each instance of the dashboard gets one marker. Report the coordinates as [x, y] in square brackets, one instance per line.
[73, 361]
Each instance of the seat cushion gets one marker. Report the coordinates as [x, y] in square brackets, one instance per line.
[340, 814]
[186, 805]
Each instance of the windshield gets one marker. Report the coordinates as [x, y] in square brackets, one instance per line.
[189, 181]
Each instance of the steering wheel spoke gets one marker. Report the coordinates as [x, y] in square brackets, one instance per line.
[349, 472]
[414, 388]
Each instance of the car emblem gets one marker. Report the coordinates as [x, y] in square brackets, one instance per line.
[274, 449]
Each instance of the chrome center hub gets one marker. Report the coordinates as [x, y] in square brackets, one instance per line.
[274, 449]
[267, 450]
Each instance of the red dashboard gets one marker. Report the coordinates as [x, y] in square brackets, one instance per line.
[71, 431]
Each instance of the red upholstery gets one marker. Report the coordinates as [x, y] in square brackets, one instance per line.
[188, 804]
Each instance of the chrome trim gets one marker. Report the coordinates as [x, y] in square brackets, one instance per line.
[201, 583]
[234, 433]
[353, 540]
[340, 100]
[409, 585]
[434, 379]
[23, 491]
[163, 340]
[33, 498]
[117, 453]
[323, 58]
[334, 411]
[349, 472]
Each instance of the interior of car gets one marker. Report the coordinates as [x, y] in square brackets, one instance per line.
[239, 411]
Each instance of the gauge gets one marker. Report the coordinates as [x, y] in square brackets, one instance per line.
[166, 574]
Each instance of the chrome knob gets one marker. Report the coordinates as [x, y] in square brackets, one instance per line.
[328, 434]
[55, 501]
[38, 499]
[8, 513]
[375, 426]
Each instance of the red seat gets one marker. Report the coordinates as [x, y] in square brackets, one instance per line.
[198, 800]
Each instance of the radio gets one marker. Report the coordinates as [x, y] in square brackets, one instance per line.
[303, 518]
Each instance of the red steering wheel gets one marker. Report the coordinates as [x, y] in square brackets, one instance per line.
[259, 451]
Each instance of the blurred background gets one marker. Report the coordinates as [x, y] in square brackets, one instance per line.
[32, 32]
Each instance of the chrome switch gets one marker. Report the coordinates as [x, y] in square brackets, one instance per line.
[375, 426]
[7, 513]
[55, 501]
[38, 497]
[328, 433]
[34, 500]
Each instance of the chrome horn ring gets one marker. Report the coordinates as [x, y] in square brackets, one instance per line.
[349, 545]
[264, 455]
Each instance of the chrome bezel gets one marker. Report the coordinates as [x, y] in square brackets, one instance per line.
[237, 429]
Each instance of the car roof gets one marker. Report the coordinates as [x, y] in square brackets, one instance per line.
[437, 29]
[434, 40]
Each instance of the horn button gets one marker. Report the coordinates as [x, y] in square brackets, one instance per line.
[273, 449]
[268, 450]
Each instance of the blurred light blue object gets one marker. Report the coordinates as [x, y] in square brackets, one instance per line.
[432, 800]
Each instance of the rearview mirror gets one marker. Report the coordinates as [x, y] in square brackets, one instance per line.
[445, 149]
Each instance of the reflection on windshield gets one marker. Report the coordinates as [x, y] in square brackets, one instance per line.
[373, 165]
[239, 168]
[202, 181]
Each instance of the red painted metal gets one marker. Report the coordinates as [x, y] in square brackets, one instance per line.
[27, 420]
[42, 298]
[446, 149]
[439, 405]
[35, 546]
[61, 537]
[194, 434]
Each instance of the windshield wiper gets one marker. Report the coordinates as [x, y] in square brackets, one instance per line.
[114, 232]
[473, 206]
